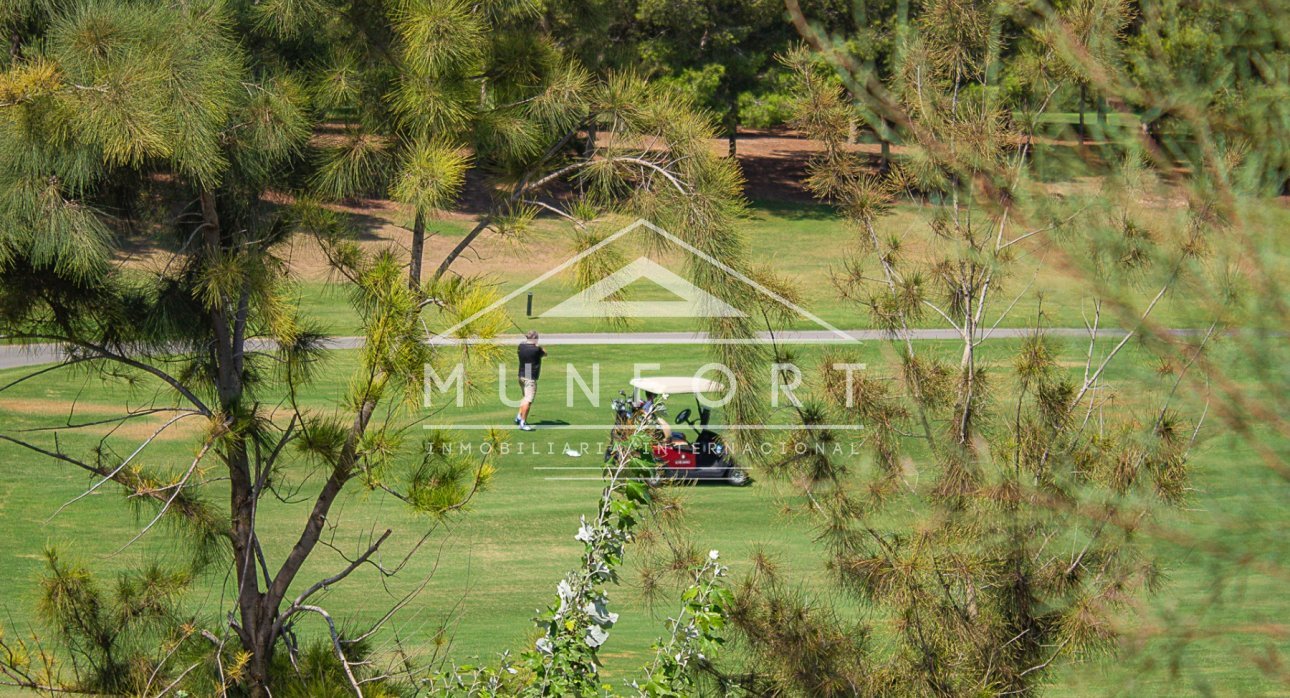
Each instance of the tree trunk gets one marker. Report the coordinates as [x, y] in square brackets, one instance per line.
[261, 613]
[255, 622]
[228, 380]
[254, 628]
[418, 247]
[732, 125]
[258, 671]
[1082, 97]
[589, 146]
[588, 150]
[462, 246]
[885, 141]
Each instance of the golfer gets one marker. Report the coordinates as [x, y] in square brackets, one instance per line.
[530, 368]
[655, 411]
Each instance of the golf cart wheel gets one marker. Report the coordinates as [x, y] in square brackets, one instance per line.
[737, 476]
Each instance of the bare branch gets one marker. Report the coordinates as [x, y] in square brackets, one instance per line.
[355, 564]
[124, 463]
[179, 678]
[101, 352]
[336, 645]
[62, 364]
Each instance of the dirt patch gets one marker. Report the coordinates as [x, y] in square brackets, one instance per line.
[41, 406]
[531, 254]
[186, 429]
[138, 428]
[774, 162]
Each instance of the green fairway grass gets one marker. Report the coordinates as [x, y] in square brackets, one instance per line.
[494, 565]
[808, 245]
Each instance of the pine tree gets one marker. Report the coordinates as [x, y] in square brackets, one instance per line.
[976, 468]
[113, 92]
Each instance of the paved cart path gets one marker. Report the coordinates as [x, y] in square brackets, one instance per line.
[16, 355]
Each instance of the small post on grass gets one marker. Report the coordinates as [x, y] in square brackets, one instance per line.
[528, 306]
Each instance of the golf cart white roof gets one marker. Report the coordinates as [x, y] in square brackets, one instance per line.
[676, 385]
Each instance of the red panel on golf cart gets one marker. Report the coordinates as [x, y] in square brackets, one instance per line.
[674, 457]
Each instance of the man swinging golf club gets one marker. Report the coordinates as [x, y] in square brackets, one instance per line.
[530, 368]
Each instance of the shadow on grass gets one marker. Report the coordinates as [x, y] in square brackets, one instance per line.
[795, 210]
[367, 227]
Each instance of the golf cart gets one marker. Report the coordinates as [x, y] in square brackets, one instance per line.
[679, 458]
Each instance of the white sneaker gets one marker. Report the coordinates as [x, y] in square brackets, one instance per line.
[524, 426]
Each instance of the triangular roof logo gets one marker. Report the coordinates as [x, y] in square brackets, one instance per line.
[691, 295]
[597, 300]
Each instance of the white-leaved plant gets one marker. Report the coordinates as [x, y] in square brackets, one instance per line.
[564, 661]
